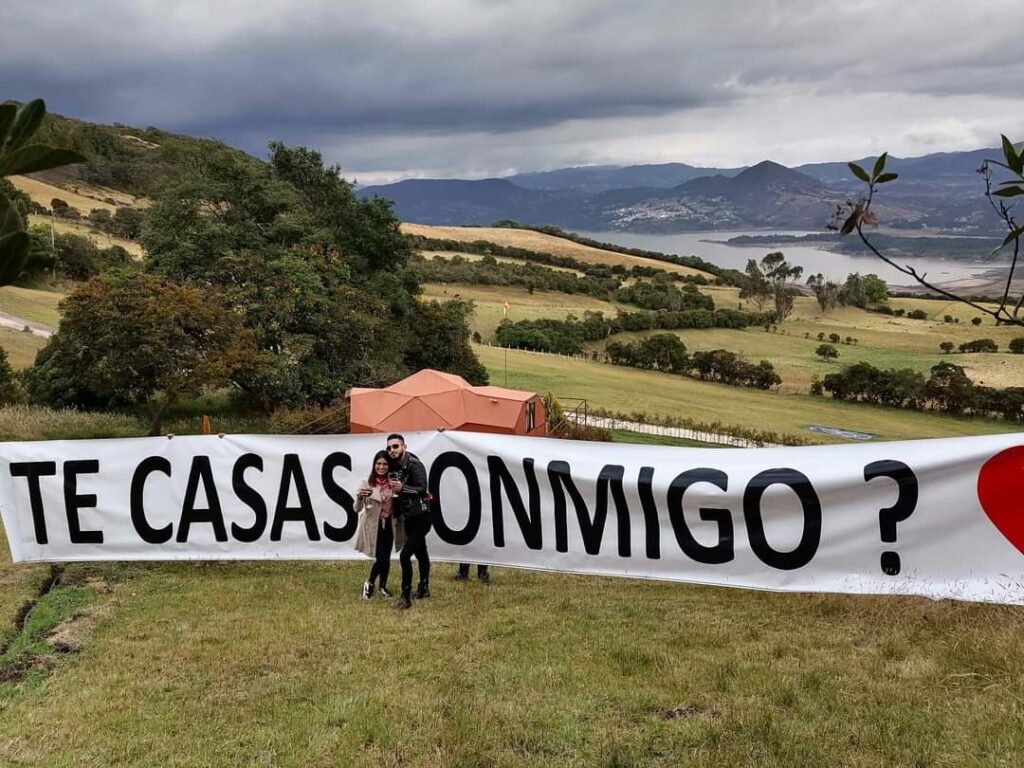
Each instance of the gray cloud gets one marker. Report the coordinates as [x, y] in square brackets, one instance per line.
[521, 83]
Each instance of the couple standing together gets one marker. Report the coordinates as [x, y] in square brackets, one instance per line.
[395, 512]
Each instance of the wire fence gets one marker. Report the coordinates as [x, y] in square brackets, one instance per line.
[684, 433]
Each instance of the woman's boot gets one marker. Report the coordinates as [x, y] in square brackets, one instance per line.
[404, 602]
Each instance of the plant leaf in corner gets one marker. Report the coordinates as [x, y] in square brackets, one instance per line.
[859, 172]
[879, 165]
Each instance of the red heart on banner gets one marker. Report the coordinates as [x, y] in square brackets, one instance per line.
[1001, 493]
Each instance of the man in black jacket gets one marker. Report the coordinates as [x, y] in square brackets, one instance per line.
[409, 484]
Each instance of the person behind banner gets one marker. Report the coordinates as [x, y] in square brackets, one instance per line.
[409, 484]
[378, 530]
[482, 572]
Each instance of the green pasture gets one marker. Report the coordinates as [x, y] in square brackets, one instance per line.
[628, 390]
[490, 304]
[36, 304]
[281, 664]
[21, 347]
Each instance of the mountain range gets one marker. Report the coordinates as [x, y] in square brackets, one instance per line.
[938, 193]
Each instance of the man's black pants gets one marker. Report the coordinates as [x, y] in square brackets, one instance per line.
[416, 529]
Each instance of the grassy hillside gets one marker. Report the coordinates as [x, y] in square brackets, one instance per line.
[627, 390]
[537, 241]
[138, 162]
[21, 348]
[490, 304]
[36, 304]
[80, 196]
[282, 664]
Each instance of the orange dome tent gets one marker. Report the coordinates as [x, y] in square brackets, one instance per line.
[431, 399]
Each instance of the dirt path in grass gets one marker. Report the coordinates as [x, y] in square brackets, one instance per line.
[21, 324]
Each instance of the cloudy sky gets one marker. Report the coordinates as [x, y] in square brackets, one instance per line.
[475, 88]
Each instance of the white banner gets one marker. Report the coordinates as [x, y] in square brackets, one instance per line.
[939, 518]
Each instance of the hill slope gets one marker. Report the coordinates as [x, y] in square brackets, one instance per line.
[543, 243]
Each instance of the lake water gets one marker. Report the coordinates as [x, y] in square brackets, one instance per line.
[832, 265]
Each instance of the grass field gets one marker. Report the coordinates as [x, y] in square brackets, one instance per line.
[882, 340]
[281, 664]
[82, 197]
[627, 390]
[537, 241]
[21, 347]
[36, 304]
[490, 304]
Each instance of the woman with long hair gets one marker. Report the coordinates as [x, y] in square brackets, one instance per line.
[378, 530]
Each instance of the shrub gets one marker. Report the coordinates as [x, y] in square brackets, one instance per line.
[975, 321]
[946, 346]
[1017, 345]
[827, 352]
[917, 314]
[979, 345]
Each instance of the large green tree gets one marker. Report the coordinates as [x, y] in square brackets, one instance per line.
[132, 339]
[317, 274]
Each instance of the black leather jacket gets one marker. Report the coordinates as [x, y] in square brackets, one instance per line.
[413, 475]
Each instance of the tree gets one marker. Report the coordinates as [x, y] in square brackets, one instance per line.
[78, 258]
[17, 156]
[950, 388]
[443, 341]
[318, 275]
[755, 286]
[979, 345]
[779, 275]
[8, 381]
[827, 352]
[127, 223]
[1017, 345]
[663, 352]
[946, 346]
[825, 291]
[366, 229]
[131, 339]
[62, 210]
[975, 321]
[875, 289]
[858, 214]
[100, 218]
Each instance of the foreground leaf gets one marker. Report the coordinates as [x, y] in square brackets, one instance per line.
[36, 157]
[859, 172]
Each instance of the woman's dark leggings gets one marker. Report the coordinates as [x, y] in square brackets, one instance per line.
[382, 564]
[416, 530]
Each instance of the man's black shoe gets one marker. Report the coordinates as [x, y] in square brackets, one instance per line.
[423, 590]
[404, 603]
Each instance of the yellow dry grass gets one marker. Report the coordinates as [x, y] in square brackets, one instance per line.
[537, 241]
[81, 197]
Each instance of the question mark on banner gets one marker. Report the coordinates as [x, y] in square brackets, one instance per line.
[906, 503]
